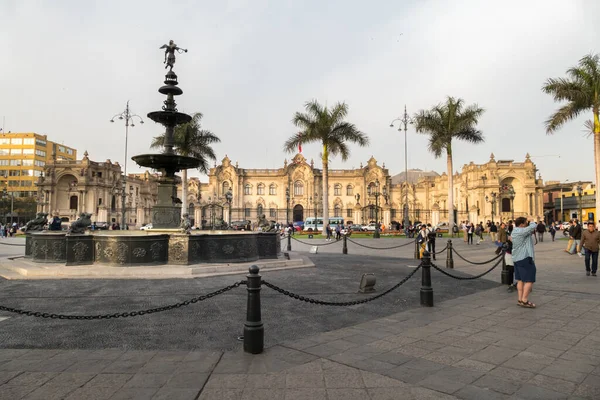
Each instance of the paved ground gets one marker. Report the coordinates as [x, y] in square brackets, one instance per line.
[478, 346]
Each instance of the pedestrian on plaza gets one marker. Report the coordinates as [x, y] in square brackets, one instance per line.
[431, 240]
[590, 242]
[465, 229]
[479, 232]
[552, 231]
[338, 232]
[454, 230]
[508, 260]
[470, 231]
[493, 231]
[422, 239]
[328, 232]
[575, 238]
[502, 237]
[510, 227]
[541, 229]
[524, 259]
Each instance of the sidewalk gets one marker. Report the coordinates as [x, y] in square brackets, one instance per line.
[480, 346]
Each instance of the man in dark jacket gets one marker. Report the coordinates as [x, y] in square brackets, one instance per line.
[541, 229]
[575, 235]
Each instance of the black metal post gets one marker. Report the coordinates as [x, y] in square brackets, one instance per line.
[345, 245]
[417, 252]
[289, 246]
[506, 276]
[376, 233]
[426, 289]
[254, 331]
[449, 259]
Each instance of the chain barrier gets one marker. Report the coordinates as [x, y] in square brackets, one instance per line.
[476, 262]
[441, 251]
[343, 303]
[380, 248]
[316, 244]
[462, 278]
[124, 314]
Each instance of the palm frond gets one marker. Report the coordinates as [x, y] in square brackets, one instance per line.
[564, 114]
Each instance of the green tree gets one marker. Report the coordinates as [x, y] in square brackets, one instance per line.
[443, 123]
[581, 92]
[328, 127]
[191, 141]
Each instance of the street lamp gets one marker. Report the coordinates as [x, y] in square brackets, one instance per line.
[128, 117]
[580, 193]
[315, 203]
[287, 207]
[511, 196]
[492, 201]
[405, 120]
[12, 202]
[377, 193]
[229, 198]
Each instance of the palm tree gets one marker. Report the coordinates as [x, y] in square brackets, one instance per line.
[581, 91]
[191, 141]
[328, 127]
[444, 122]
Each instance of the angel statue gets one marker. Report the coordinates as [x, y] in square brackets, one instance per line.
[170, 53]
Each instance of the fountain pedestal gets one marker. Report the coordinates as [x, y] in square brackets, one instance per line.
[165, 214]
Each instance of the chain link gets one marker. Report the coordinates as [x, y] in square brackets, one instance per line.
[441, 251]
[123, 314]
[316, 244]
[343, 303]
[478, 262]
[462, 278]
[381, 248]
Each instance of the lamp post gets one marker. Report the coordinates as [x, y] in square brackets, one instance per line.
[492, 201]
[315, 203]
[229, 198]
[129, 118]
[580, 193]
[511, 196]
[405, 120]
[287, 205]
[5, 193]
[377, 193]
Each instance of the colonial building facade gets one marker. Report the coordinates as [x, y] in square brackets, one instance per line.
[495, 190]
[70, 187]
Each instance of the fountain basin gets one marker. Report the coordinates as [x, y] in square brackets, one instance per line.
[169, 162]
[137, 248]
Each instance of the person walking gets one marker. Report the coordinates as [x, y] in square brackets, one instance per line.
[552, 231]
[523, 258]
[575, 235]
[541, 229]
[328, 232]
[465, 229]
[431, 240]
[493, 231]
[422, 238]
[470, 231]
[590, 242]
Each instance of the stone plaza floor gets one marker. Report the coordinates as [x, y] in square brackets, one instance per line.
[475, 343]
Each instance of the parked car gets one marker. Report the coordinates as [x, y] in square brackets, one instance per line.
[101, 225]
[370, 228]
[356, 227]
[146, 227]
[442, 227]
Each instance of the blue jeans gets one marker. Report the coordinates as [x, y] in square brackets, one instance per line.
[594, 256]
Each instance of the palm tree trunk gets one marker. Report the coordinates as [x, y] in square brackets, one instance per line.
[597, 161]
[325, 188]
[450, 186]
[184, 192]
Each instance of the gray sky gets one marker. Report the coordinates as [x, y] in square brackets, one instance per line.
[69, 66]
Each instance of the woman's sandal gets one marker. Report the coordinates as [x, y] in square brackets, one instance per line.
[527, 304]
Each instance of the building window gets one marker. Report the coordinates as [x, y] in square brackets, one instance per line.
[349, 190]
[40, 153]
[4, 162]
[298, 188]
[26, 183]
[29, 141]
[259, 210]
[28, 151]
[4, 152]
[70, 152]
[15, 162]
[14, 172]
[337, 190]
[349, 213]
[4, 173]
[337, 211]
[506, 205]
[371, 188]
[4, 141]
[272, 189]
[61, 149]
[246, 212]
[248, 189]
[37, 173]
[15, 151]
[225, 187]
[272, 213]
[38, 163]
[393, 213]
[260, 190]
[16, 141]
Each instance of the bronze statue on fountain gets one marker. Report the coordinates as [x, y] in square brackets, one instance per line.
[37, 224]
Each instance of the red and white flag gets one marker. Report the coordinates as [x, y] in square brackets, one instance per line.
[300, 142]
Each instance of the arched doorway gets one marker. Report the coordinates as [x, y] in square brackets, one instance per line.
[298, 213]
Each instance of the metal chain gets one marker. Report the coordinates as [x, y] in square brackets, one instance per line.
[318, 244]
[475, 262]
[124, 314]
[380, 248]
[462, 278]
[343, 303]
[441, 251]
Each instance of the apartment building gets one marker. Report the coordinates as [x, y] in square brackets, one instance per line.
[22, 160]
